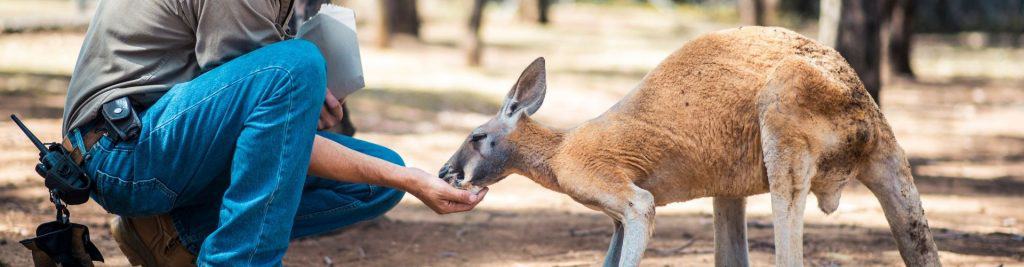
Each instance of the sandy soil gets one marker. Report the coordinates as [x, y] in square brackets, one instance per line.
[959, 122]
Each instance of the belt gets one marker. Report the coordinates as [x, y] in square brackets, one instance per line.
[89, 138]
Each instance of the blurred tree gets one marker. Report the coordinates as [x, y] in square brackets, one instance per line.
[397, 17]
[474, 44]
[901, 14]
[828, 22]
[535, 10]
[81, 6]
[801, 9]
[751, 12]
[758, 12]
[857, 37]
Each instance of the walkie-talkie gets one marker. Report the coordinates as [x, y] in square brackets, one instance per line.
[62, 176]
[60, 242]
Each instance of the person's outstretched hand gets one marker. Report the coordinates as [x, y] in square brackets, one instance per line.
[331, 113]
[440, 196]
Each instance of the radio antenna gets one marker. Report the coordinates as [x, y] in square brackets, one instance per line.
[31, 136]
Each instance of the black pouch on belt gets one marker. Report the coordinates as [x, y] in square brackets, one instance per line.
[121, 120]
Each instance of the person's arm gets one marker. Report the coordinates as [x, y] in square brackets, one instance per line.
[336, 162]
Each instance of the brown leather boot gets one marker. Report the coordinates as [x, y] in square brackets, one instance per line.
[150, 241]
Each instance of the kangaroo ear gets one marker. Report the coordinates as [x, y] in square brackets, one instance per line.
[528, 93]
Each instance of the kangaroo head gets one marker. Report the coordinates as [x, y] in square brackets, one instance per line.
[486, 156]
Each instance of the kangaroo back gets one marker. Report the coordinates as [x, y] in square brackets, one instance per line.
[695, 118]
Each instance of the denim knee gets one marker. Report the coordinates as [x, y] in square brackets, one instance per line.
[307, 59]
[390, 198]
[303, 62]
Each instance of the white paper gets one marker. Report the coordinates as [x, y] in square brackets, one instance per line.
[333, 30]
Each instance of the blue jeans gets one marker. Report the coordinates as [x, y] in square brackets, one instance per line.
[226, 156]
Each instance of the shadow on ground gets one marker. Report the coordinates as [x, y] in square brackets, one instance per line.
[506, 237]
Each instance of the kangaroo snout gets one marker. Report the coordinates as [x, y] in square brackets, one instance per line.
[454, 174]
[453, 178]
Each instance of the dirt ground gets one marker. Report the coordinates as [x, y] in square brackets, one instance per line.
[960, 122]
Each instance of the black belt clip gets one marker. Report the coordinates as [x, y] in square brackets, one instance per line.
[121, 119]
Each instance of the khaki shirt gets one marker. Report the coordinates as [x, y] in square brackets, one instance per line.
[140, 48]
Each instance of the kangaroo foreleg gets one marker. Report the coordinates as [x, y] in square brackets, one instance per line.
[638, 224]
[890, 180]
[789, 173]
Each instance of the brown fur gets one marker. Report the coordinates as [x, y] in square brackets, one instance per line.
[692, 124]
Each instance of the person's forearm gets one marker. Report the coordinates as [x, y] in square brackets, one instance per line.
[333, 161]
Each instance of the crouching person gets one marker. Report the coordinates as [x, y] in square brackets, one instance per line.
[228, 165]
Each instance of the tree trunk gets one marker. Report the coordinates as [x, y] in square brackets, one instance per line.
[858, 40]
[535, 10]
[758, 12]
[474, 45]
[900, 37]
[828, 22]
[397, 17]
[771, 12]
[751, 12]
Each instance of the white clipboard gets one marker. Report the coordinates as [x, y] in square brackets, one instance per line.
[333, 30]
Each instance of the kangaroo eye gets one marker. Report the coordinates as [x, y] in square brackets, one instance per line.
[477, 137]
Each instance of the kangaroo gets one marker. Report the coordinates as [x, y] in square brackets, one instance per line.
[733, 113]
